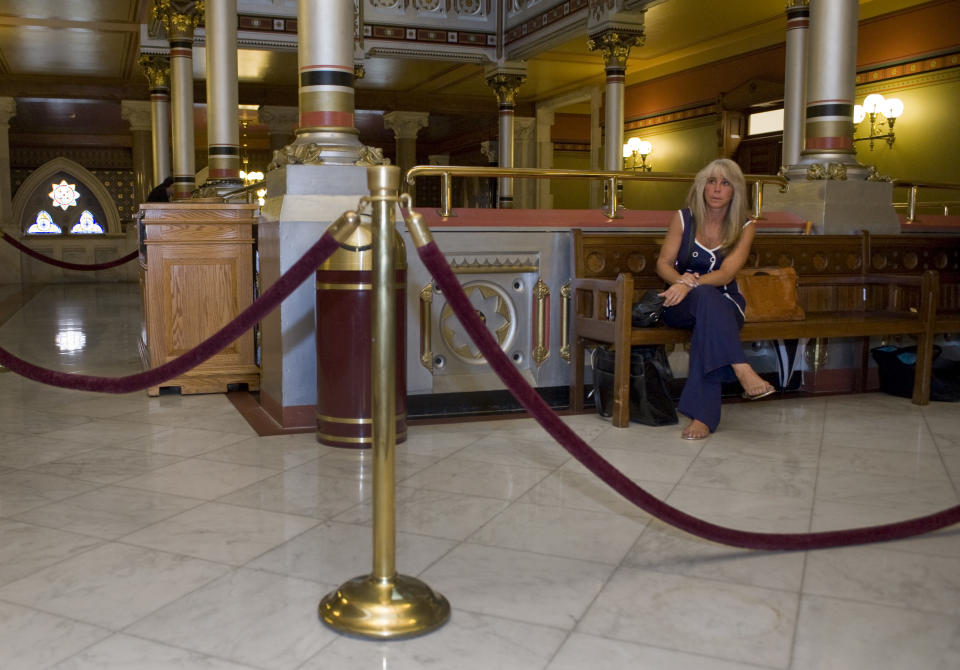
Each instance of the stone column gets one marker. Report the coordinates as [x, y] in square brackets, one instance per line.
[544, 119]
[505, 80]
[613, 32]
[525, 156]
[137, 113]
[831, 82]
[223, 133]
[405, 126]
[828, 186]
[281, 122]
[8, 110]
[157, 70]
[9, 257]
[794, 81]
[180, 18]
[325, 32]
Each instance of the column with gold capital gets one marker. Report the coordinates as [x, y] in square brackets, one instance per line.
[327, 134]
[794, 80]
[156, 68]
[223, 134]
[180, 19]
[137, 114]
[505, 80]
[614, 47]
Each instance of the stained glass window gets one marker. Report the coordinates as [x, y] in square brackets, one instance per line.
[87, 225]
[64, 195]
[44, 225]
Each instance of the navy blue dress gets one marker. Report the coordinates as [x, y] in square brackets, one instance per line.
[715, 315]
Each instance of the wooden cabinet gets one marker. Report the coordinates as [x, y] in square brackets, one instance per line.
[197, 275]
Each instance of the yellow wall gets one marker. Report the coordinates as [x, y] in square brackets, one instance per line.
[684, 146]
[571, 193]
[927, 135]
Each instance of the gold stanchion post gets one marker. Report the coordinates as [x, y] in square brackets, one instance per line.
[384, 604]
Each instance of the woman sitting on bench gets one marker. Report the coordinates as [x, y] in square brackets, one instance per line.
[706, 244]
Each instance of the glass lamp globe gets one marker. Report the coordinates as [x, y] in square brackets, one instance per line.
[859, 114]
[873, 103]
[644, 147]
[892, 108]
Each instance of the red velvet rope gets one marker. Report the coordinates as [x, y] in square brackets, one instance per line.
[290, 280]
[533, 403]
[64, 264]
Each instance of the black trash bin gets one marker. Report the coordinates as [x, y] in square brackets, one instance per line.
[650, 401]
[897, 368]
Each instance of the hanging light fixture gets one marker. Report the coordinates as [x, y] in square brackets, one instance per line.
[882, 114]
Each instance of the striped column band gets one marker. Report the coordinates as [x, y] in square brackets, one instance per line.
[798, 17]
[326, 96]
[181, 48]
[223, 161]
[616, 74]
[830, 125]
[159, 95]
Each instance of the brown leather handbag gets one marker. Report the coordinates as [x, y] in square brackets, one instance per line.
[771, 294]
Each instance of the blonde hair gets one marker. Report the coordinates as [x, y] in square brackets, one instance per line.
[736, 210]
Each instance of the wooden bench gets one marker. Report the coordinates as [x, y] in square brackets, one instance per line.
[841, 288]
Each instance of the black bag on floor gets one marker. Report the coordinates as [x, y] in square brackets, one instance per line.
[650, 401]
[897, 368]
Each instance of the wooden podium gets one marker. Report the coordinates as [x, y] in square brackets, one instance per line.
[196, 275]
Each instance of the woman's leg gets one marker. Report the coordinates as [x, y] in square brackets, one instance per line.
[714, 345]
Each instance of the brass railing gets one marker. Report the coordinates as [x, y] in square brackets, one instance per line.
[913, 190]
[611, 210]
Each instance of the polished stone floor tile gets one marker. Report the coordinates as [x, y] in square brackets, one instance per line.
[440, 514]
[297, 492]
[221, 533]
[248, 616]
[588, 535]
[24, 451]
[109, 512]
[276, 453]
[124, 652]
[113, 585]
[835, 634]
[184, 442]
[30, 640]
[332, 553]
[663, 548]
[108, 465]
[639, 465]
[743, 509]
[886, 576]
[457, 475]
[752, 476]
[730, 621]
[25, 548]
[22, 490]
[197, 478]
[468, 641]
[535, 588]
[599, 653]
[583, 490]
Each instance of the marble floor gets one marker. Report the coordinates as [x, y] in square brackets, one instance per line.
[155, 533]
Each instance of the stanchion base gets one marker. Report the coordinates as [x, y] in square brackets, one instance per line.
[384, 609]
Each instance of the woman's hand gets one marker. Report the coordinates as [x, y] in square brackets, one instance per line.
[677, 291]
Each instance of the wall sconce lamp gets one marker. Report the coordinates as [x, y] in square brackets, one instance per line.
[883, 113]
[636, 148]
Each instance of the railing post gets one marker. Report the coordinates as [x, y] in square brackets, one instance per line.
[384, 604]
[446, 195]
[912, 204]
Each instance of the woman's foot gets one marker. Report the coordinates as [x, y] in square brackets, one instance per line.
[754, 387]
[696, 430]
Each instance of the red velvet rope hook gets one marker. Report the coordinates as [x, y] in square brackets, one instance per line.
[533, 403]
[272, 297]
[64, 264]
